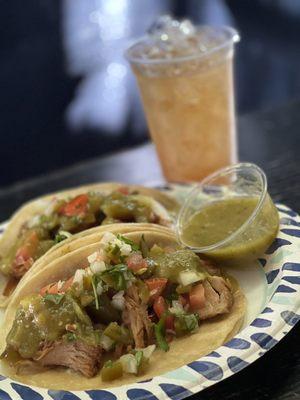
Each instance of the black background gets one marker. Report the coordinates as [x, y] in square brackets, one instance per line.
[35, 88]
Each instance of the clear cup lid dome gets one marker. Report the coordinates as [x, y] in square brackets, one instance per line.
[169, 39]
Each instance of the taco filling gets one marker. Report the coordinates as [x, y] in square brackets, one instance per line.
[63, 218]
[112, 315]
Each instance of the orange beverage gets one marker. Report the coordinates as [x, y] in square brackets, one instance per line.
[188, 98]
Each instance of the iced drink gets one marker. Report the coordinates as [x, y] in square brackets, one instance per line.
[186, 83]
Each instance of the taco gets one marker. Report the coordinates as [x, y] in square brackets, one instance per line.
[119, 310]
[42, 223]
[90, 236]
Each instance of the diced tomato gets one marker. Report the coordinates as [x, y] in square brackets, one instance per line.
[75, 207]
[52, 288]
[123, 190]
[67, 284]
[160, 307]
[136, 262]
[197, 297]
[43, 291]
[170, 322]
[156, 287]
[28, 248]
[24, 257]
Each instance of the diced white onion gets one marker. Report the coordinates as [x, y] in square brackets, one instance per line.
[176, 304]
[118, 300]
[106, 342]
[99, 289]
[147, 351]
[93, 257]
[129, 363]
[65, 233]
[78, 277]
[125, 248]
[188, 277]
[176, 308]
[97, 256]
[97, 266]
[107, 238]
[34, 221]
[60, 284]
[109, 241]
[50, 208]
[88, 272]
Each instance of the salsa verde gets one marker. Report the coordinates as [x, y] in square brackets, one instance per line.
[217, 221]
[72, 216]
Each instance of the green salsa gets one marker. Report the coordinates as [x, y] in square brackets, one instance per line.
[118, 207]
[71, 216]
[44, 319]
[170, 265]
[217, 221]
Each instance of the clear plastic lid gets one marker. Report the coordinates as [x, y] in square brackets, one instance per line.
[169, 40]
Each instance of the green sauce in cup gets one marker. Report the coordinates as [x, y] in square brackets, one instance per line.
[230, 218]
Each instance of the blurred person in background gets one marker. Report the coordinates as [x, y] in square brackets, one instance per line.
[67, 93]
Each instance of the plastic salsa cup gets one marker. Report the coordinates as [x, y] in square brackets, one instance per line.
[229, 217]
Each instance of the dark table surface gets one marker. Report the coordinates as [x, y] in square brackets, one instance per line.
[270, 139]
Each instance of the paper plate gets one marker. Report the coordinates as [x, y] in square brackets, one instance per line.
[272, 288]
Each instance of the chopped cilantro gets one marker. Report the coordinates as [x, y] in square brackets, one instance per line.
[117, 276]
[43, 219]
[139, 358]
[70, 336]
[160, 334]
[108, 364]
[172, 296]
[122, 259]
[134, 246]
[191, 321]
[94, 285]
[54, 298]
[75, 219]
[59, 238]
[115, 250]
[186, 323]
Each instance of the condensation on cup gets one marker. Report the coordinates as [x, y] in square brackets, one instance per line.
[185, 78]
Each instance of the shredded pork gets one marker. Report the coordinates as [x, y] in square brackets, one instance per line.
[218, 298]
[136, 318]
[211, 267]
[77, 355]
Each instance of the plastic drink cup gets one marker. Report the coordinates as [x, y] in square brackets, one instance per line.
[185, 77]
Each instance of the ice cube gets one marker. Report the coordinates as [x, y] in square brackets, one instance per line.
[170, 39]
[187, 28]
